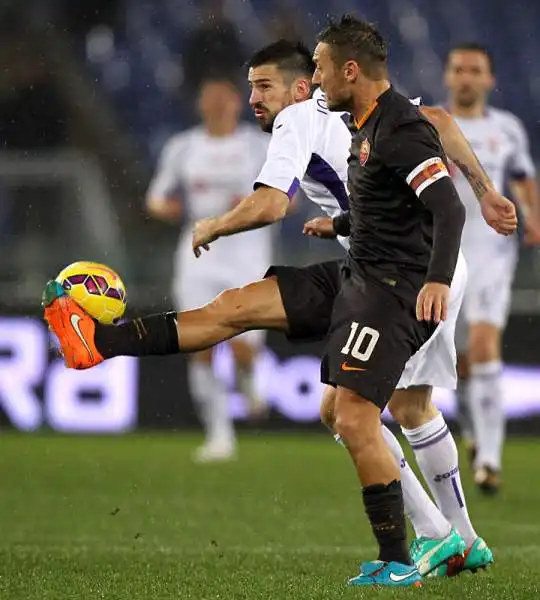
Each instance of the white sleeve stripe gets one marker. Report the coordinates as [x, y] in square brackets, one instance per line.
[425, 184]
[423, 165]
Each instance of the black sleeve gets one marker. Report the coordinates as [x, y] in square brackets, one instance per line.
[415, 154]
[342, 224]
[448, 212]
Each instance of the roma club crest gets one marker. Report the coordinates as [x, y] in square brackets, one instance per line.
[365, 148]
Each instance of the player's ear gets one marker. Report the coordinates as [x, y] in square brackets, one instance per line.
[351, 71]
[301, 89]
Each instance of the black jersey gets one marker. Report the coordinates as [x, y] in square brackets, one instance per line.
[395, 155]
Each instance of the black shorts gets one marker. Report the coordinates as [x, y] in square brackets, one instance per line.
[308, 295]
[373, 333]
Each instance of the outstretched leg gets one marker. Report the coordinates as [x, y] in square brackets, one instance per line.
[85, 343]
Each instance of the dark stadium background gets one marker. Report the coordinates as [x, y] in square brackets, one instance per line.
[89, 92]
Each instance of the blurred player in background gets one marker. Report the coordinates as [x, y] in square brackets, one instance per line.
[500, 142]
[205, 171]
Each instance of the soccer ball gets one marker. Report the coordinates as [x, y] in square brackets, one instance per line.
[97, 288]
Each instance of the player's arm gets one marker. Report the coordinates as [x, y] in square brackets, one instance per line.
[163, 199]
[414, 153]
[498, 211]
[329, 227]
[458, 149]
[431, 182]
[266, 205]
[286, 162]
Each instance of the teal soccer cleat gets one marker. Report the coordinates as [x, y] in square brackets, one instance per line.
[429, 553]
[477, 556]
[381, 573]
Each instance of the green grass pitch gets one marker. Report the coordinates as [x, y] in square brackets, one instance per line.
[133, 518]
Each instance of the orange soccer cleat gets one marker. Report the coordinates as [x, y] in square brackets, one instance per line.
[73, 327]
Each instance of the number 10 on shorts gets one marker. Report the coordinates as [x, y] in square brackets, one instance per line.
[366, 339]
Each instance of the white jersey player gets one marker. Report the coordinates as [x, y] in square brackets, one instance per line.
[204, 171]
[309, 148]
[499, 140]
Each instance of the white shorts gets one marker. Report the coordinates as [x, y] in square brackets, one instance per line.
[197, 282]
[489, 289]
[435, 363]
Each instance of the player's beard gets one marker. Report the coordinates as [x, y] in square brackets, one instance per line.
[268, 124]
[344, 104]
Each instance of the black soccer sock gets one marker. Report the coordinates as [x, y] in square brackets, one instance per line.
[156, 334]
[384, 508]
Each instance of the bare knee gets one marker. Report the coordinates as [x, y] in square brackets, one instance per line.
[484, 343]
[412, 407]
[328, 406]
[229, 308]
[357, 420]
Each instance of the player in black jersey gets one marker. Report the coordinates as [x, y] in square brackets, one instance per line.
[406, 220]
[261, 305]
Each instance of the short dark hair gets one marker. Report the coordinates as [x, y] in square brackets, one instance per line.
[355, 39]
[473, 47]
[287, 55]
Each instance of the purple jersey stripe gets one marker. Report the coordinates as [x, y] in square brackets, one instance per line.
[319, 170]
[293, 188]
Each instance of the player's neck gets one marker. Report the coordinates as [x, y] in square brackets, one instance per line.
[222, 129]
[467, 112]
[367, 96]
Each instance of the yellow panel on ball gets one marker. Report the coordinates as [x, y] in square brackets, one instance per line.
[97, 288]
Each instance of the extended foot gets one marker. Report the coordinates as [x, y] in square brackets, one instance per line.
[394, 574]
[477, 556]
[429, 553]
[488, 480]
[73, 327]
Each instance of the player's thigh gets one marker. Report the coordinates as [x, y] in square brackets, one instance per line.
[489, 288]
[308, 295]
[435, 362]
[487, 304]
[373, 334]
[254, 306]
